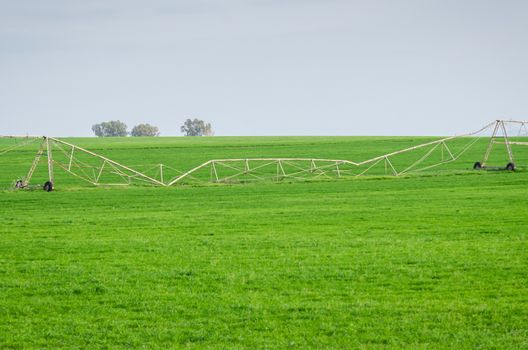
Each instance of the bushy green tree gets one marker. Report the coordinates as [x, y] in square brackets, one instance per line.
[197, 127]
[144, 130]
[110, 128]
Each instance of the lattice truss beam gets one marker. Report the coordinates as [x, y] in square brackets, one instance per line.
[98, 170]
[95, 168]
[414, 159]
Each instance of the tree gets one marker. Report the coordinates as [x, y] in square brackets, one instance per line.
[197, 127]
[145, 130]
[111, 128]
[208, 130]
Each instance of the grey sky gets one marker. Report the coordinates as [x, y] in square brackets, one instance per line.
[263, 67]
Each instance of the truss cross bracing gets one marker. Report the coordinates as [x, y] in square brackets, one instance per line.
[99, 170]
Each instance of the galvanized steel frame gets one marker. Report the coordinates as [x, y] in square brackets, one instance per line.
[317, 167]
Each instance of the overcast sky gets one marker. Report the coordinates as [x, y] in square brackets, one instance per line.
[263, 67]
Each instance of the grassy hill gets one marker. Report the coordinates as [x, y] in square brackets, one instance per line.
[434, 261]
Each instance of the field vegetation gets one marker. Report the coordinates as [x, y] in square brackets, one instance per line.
[430, 260]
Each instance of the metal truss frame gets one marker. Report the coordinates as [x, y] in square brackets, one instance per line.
[242, 169]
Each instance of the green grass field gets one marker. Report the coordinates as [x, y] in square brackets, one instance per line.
[437, 260]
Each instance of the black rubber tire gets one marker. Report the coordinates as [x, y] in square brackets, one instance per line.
[48, 186]
[510, 167]
[477, 166]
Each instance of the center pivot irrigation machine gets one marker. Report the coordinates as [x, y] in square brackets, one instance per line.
[99, 170]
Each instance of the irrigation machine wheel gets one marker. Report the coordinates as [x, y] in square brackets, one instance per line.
[510, 167]
[48, 186]
[477, 166]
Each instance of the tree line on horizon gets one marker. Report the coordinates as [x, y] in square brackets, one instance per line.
[116, 128]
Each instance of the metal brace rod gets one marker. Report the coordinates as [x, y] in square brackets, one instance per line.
[188, 173]
[394, 170]
[50, 160]
[34, 164]
[424, 145]
[108, 160]
[490, 144]
[281, 168]
[448, 151]
[100, 172]
[422, 158]
[71, 158]
[507, 143]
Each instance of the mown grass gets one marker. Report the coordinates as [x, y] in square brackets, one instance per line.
[419, 262]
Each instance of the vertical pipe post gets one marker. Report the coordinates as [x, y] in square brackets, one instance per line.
[50, 161]
[507, 142]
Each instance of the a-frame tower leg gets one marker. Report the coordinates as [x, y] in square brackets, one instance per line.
[500, 128]
[36, 160]
[507, 143]
[490, 144]
[49, 185]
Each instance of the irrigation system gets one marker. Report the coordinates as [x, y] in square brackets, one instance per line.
[99, 170]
